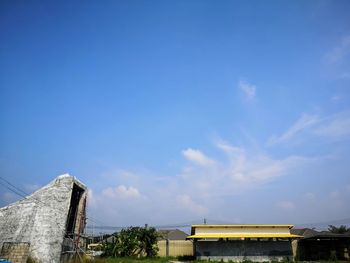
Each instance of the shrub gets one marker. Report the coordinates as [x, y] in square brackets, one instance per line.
[134, 241]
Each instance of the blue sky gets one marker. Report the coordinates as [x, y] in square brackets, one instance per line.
[171, 111]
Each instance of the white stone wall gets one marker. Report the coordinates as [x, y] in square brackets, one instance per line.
[40, 219]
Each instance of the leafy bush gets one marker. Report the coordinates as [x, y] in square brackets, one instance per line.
[338, 230]
[134, 241]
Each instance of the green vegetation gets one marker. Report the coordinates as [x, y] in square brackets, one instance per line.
[124, 260]
[134, 242]
[139, 260]
[162, 260]
[338, 230]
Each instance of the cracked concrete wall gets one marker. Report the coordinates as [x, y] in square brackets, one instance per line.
[41, 219]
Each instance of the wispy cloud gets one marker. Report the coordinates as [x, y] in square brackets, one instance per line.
[304, 122]
[197, 190]
[197, 157]
[344, 75]
[226, 147]
[334, 194]
[31, 187]
[239, 171]
[186, 203]
[341, 51]
[336, 98]
[336, 126]
[121, 192]
[248, 89]
[309, 196]
[91, 198]
[207, 181]
[8, 197]
[286, 206]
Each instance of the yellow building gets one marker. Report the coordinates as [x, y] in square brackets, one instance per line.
[243, 242]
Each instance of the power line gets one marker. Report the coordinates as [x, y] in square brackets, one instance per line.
[11, 187]
[15, 189]
[99, 224]
[25, 195]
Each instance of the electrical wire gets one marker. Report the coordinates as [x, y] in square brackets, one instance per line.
[16, 190]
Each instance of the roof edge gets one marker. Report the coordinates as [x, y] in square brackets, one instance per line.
[243, 226]
[199, 236]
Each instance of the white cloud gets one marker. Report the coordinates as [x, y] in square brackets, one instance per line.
[31, 187]
[186, 203]
[341, 51]
[335, 126]
[310, 196]
[226, 147]
[119, 205]
[286, 206]
[8, 197]
[91, 198]
[121, 192]
[336, 98]
[304, 122]
[344, 75]
[240, 171]
[197, 157]
[197, 191]
[334, 194]
[338, 59]
[247, 88]
[204, 187]
[332, 126]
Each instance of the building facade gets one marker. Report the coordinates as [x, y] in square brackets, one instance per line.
[321, 246]
[258, 243]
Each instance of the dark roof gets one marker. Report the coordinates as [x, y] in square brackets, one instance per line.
[172, 234]
[308, 233]
[305, 232]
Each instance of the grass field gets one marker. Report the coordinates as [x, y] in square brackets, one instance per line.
[138, 260]
[126, 260]
[167, 260]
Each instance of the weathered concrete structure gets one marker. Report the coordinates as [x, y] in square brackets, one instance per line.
[258, 243]
[15, 252]
[50, 220]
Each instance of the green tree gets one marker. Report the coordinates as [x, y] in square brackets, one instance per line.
[134, 241]
[148, 241]
[338, 230]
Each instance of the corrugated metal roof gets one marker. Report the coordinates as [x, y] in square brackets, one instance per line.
[244, 235]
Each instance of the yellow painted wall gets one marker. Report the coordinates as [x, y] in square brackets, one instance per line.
[176, 248]
[245, 230]
[295, 248]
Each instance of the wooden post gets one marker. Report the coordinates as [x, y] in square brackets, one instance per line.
[167, 247]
